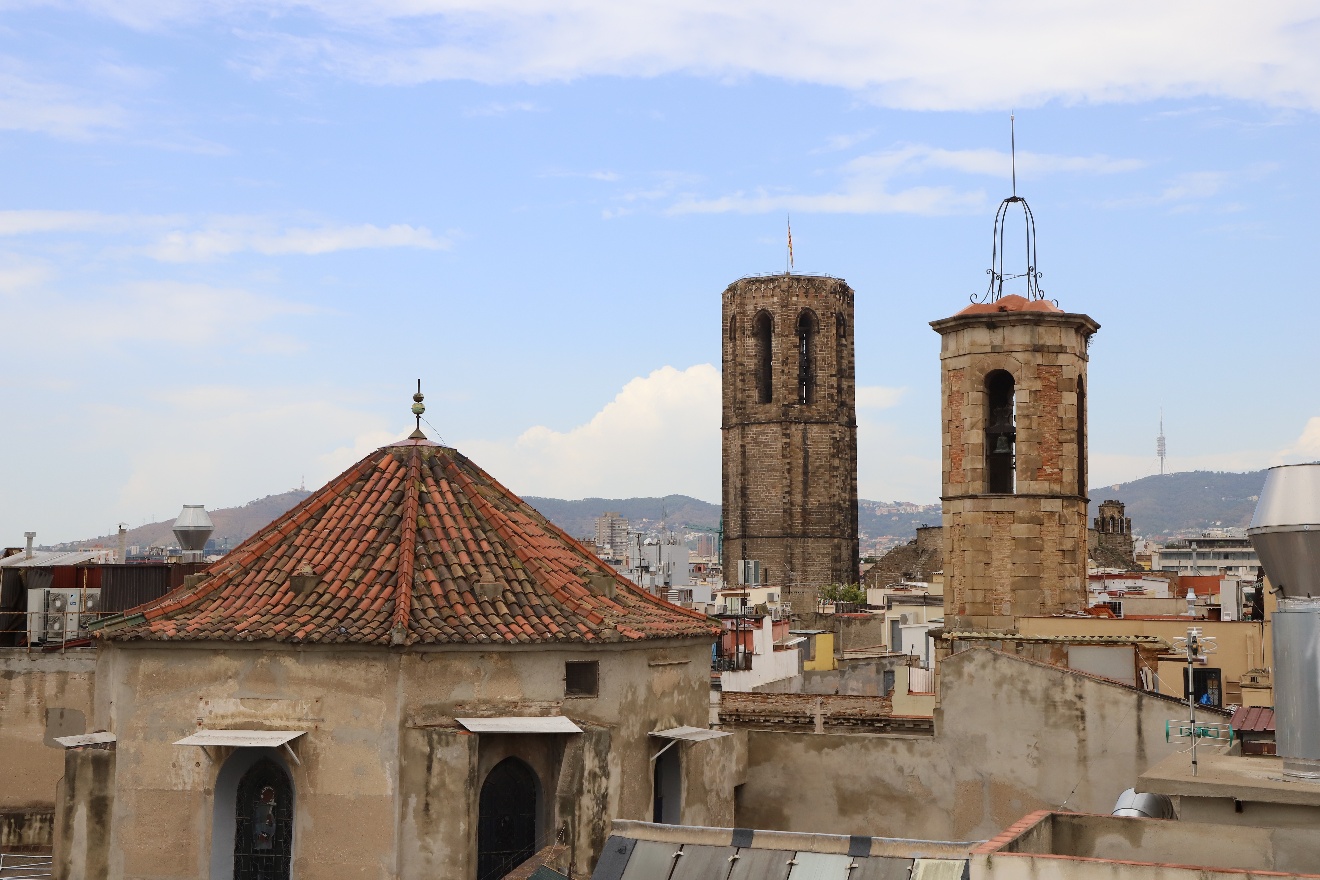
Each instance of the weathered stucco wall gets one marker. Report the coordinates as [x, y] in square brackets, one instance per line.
[1012, 736]
[42, 696]
[387, 784]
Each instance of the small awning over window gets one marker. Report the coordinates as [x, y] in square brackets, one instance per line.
[85, 739]
[690, 734]
[520, 724]
[271, 739]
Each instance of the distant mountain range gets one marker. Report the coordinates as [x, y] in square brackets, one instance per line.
[1159, 506]
[232, 524]
[1186, 503]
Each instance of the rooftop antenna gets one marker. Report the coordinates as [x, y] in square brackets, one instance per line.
[1012, 149]
[998, 276]
[1159, 442]
[417, 409]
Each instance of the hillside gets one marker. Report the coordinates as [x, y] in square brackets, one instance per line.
[232, 524]
[1186, 503]
[1173, 504]
[578, 517]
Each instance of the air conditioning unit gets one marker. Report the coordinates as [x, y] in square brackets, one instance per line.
[68, 612]
[91, 608]
[36, 616]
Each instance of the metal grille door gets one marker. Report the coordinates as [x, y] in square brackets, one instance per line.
[263, 838]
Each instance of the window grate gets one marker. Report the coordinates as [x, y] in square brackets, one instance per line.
[581, 678]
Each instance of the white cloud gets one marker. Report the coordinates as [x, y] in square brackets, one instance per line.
[659, 435]
[1306, 448]
[19, 273]
[180, 239]
[227, 238]
[878, 396]
[47, 108]
[221, 445]
[163, 313]
[868, 183]
[940, 55]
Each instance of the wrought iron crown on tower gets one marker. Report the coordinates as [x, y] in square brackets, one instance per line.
[996, 271]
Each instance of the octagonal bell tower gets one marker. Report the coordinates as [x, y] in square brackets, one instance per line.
[790, 433]
[1013, 412]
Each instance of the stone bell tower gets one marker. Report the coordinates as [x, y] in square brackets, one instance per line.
[790, 433]
[1013, 408]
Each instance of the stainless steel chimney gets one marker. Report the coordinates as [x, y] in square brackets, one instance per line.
[1286, 534]
[192, 528]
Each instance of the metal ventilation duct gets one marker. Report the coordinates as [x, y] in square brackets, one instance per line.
[1286, 534]
[1286, 529]
[193, 528]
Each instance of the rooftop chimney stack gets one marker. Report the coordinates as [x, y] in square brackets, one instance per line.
[1286, 534]
[192, 529]
[123, 544]
[27, 554]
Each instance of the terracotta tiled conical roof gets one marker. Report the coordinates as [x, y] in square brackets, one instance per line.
[414, 544]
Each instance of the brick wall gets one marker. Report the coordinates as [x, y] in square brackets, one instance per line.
[1012, 555]
[790, 468]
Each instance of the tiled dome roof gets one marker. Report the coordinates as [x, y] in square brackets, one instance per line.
[1011, 303]
[414, 544]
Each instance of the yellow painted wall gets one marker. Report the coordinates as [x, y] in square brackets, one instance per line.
[824, 661]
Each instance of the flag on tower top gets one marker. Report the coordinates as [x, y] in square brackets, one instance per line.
[790, 244]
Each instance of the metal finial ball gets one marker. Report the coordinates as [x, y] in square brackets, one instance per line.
[418, 408]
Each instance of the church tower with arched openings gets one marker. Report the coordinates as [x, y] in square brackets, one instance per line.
[1013, 411]
[790, 433]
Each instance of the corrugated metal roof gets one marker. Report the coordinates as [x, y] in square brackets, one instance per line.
[520, 724]
[1255, 719]
[47, 558]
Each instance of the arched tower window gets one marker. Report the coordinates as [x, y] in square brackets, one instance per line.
[763, 328]
[733, 327]
[807, 327]
[840, 354]
[506, 820]
[1081, 438]
[1000, 432]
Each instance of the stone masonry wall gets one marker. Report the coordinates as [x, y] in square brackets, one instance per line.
[1021, 554]
[790, 468]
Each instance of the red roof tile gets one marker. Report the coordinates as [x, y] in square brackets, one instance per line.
[392, 552]
[1011, 303]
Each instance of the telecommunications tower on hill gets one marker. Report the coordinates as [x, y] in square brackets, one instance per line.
[1159, 443]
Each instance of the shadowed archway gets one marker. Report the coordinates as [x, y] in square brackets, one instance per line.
[506, 823]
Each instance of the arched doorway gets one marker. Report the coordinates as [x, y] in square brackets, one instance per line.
[263, 823]
[506, 822]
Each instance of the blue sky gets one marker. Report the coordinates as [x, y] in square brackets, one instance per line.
[233, 235]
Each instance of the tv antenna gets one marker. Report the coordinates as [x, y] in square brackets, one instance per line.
[1196, 646]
